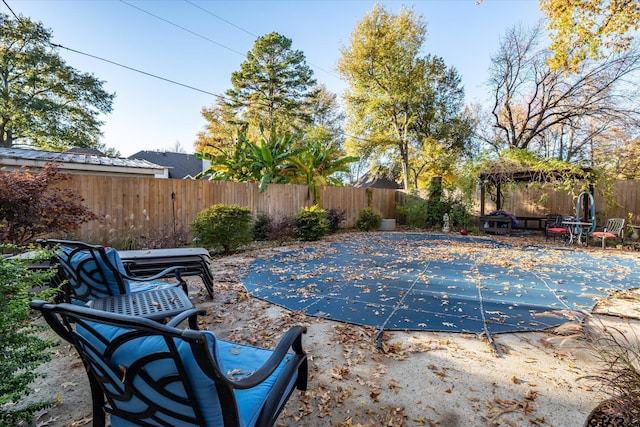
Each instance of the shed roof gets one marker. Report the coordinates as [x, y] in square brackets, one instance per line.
[78, 162]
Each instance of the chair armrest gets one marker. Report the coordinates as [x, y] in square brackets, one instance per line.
[53, 321]
[176, 270]
[292, 339]
[191, 315]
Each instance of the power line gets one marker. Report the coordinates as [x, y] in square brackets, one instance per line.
[208, 39]
[220, 18]
[182, 28]
[137, 71]
[251, 34]
[170, 23]
[11, 10]
[120, 65]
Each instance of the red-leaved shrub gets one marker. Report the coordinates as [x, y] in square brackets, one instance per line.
[31, 205]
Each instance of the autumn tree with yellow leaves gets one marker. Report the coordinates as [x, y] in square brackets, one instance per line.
[583, 29]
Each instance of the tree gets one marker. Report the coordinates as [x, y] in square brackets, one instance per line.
[271, 158]
[327, 119]
[317, 165]
[176, 148]
[31, 205]
[265, 162]
[549, 111]
[220, 131]
[582, 29]
[325, 124]
[274, 86]
[228, 162]
[628, 161]
[43, 101]
[393, 93]
[443, 128]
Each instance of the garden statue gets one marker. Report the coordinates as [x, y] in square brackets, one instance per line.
[445, 222]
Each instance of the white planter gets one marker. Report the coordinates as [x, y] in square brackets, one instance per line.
[388, 224]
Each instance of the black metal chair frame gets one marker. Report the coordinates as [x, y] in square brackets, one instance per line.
[554, 222]
[73, 284]
[110, 389]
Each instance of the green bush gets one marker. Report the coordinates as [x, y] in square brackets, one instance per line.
[262, 226]
[413, 213]
[368, 219]
[459, 216]
[311, 224]
[21, 349]
[226, 227]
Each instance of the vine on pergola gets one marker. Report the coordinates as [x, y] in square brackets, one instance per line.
[517, 166]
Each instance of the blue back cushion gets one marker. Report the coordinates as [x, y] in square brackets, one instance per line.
[233, 360]
[114, 257]
[152, 356]
[89, 274]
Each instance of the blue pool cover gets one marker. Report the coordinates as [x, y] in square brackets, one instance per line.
[416, 281]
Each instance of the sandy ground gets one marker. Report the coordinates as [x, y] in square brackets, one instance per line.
[416, 379]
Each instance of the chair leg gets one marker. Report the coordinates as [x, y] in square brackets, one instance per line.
[98, 401]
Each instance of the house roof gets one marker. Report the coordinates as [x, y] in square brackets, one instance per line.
[369, 180]
[79, 161]
[180, 165]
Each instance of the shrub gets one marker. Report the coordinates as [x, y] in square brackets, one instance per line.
[226, 227]
[311, 223]
[438, 204]
[618, 353]
[413, 213]
[335, 217]
[169, 236]
[21, 348]
[459, 216]
[282, 230]
[368, 219]
[262, 226]
[32, 206]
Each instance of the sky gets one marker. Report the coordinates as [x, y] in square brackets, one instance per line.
[200, 43]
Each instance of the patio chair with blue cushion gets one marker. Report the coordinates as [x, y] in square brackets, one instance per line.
[145, 373]
[613, 229]
[94, 272]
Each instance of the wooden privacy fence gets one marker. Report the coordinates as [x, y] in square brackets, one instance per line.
[131, 205]
[136, 205]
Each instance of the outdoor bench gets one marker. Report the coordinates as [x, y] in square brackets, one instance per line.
[495, 224]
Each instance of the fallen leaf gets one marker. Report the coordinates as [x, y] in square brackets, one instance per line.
[68, 384]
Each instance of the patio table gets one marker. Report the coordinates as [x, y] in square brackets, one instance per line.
[575, 230]
[156, 304]
[147, 262]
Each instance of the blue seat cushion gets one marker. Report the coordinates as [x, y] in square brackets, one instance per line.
[234, 360]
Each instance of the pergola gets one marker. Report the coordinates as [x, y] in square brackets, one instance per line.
[518, 174]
